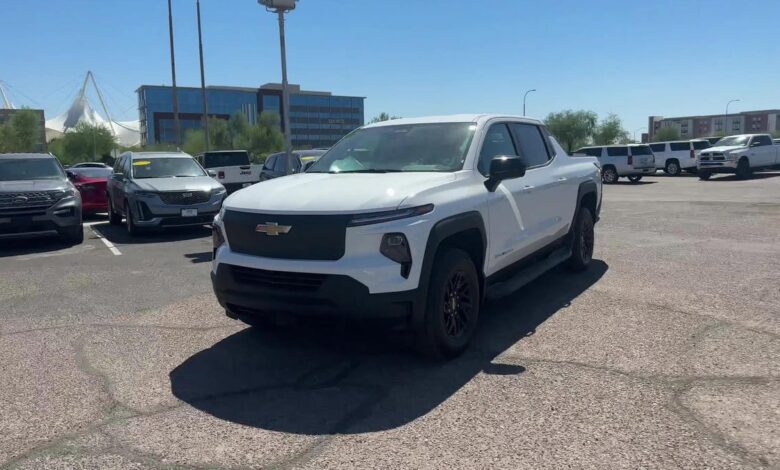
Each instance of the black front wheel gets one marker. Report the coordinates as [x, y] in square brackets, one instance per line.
[583, 241]
[73, 235]
[635, 179]
[113, 217]
[453, 306]
[672, 168]
[743, 169]
[704, 175]
[609, 175]
[132, 229]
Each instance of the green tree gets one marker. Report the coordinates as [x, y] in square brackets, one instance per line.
[21, 132]
[383, 117]
[610, 131]
[84, 143]
[261, 139]
[194, 141]
[572, 129]
[665, 134]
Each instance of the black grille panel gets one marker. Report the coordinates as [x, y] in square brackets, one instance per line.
[185, 198]
[27, 202]
[311, 237]
[274, 280]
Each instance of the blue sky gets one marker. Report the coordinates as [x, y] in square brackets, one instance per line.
[412, 57]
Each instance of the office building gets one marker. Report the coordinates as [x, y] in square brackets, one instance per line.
[317, 118]
[692, 127]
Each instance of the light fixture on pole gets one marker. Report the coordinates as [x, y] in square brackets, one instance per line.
[280, 7]
[524, 96]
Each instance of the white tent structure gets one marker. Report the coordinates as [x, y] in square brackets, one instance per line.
[127, 133]
[5, 103]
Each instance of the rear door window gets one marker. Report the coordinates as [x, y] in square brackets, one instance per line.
[657, 148]
[530, 143]
[617, 151]
[280, 166]
[701, 145]
[269, 162]
[678, 146]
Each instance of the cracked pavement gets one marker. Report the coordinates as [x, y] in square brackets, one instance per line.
[665, 354]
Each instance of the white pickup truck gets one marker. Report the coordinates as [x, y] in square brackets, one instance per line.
[416, 220]
[740, 154]
[231, 168]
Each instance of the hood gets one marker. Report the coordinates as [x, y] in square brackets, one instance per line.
[33, 185]
[724, 148]
[334, 193]
[196, 183]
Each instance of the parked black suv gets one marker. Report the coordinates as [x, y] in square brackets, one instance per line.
[36, 198]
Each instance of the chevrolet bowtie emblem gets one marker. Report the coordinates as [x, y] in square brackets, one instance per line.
[272, 229]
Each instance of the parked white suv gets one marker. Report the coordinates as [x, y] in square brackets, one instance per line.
[740, 154]
[410, 219]
[632, 161]
[674, 157]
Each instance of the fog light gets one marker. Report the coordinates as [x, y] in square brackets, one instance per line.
[396, 247]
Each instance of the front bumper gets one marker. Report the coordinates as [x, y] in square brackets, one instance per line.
[23, 223]
[151, 212]
[248, 292]
[717, 166]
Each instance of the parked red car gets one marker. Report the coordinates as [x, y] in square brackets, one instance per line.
[91, 183]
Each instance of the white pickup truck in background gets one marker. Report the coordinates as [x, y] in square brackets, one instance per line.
[740, 154]
[231, 168]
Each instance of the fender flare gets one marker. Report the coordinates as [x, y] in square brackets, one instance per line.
[442, 230]
[586, 187]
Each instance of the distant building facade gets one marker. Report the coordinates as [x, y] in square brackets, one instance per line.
[692, 127]
[317, 119]
[40, 144]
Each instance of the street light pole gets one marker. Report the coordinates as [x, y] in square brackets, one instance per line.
[280, 7]
[524, 97]
[173, 78]
[725, 119]
[203, 84]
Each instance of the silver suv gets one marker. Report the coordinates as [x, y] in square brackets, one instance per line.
[160, 190]
[36, 198]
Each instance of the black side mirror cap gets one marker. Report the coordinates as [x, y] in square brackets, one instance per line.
[504, 167]
[212, 173]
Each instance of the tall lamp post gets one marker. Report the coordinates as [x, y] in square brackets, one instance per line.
[524, 97]
[203, 83]
[173, 79]
[726, 118]
[280, 7]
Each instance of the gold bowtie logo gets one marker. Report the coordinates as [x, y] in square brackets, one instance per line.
[272, 229]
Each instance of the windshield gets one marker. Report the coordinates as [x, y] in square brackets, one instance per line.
[410, 147]
[166, 168]
[737, 140]
[19, 169]
[89, 172]
[212, 160]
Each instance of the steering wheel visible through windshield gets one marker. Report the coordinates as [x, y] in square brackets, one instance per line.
[396, 148]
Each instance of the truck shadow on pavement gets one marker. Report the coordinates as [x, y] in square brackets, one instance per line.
[117, 234]
[319, 380]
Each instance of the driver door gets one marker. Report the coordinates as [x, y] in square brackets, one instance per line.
[514, 222]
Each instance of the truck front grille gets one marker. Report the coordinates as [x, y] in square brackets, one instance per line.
[274, 280]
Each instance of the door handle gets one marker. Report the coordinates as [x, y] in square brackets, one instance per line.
[562, 180]
[527, 189]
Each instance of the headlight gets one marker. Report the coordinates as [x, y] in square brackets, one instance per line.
[387, 216]
[219, 191]
[144, 194]
[217, 238]
[70, 192]
[730, 155]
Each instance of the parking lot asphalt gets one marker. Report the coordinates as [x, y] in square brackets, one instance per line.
[664, 354]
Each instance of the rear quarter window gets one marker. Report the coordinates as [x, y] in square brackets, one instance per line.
[658, 147]
[641, 150]
[701, 145]
[617, 151]
[678, 146]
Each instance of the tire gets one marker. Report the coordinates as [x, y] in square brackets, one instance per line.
[743, 169]
[704, 175]
[132, 230]
[452, 309]
[74, 235]
[582, 242]
[672, 168]
[609, 175]
[113, 217]
[635, 178]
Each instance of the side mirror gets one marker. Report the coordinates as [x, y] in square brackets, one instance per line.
[755, 143]
[212, 173]
[71, 176]
[504, 167]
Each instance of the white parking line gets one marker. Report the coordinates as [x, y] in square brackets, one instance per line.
[110, 245]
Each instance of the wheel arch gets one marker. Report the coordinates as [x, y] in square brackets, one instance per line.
[464, 231]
